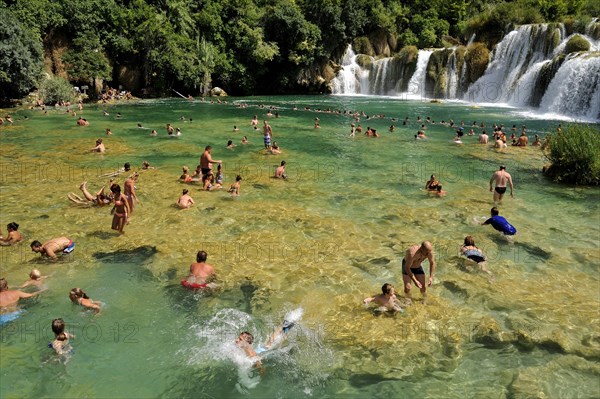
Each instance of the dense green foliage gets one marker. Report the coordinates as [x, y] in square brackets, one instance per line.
[575, 155]
[55, 89]
[244, 46]
[20, 57]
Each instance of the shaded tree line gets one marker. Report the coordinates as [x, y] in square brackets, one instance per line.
[244, 46]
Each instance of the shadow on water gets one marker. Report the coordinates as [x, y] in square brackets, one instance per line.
[101, 234]
[136, 255]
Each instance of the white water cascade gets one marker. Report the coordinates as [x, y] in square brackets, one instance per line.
[518, 51]
[416, 84]
[575, 89]
[351, 79]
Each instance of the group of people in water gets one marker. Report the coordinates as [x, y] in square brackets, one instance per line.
[202, 275]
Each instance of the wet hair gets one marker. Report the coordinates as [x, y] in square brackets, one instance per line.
[34, 274]
[469, 241]
[494, 211]
[207, 148]
[186, 169]
[58, 328]
[3, 284]
[12, 226]
[247, 337]
[77, 293]
[282, 163]
[387, 288]
[36, 243]
[185, 191]
[99, 141]
[127, 166]
[115, 188]
[502, 167]
[201, 256]
[230, 142]
[238, 178]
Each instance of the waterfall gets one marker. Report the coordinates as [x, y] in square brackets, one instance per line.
[352, 79]
[451, 76]
[416, 85]
[575, 89]
[518, 51]
[378, 79]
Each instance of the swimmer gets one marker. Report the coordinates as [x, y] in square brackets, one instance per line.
[244, 140]
[108, 132]
[244, 341]
[254, 121]
[100, 199]
[35, 278]
[275, 148]
[185, 177]
[473, 253]
[523, 140]
[387, 300]
[537, 141]
[230, 145]
[202, 274]
[52, 247]
[139, 125]
[501, 177]
[412, 270]
[352, 130]
[235, 129]
[483, 138]
[280, 171]
[79, 297]
[278, 335]
[185, 201]
[99, 146]
[13, 237]
[10, 298]
[146, 166]
[61, 338]
[81, 122]
[154, 133]
[432, 183]
[499, 223]
[234, 189]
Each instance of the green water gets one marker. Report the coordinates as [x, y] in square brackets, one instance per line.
[322, 240]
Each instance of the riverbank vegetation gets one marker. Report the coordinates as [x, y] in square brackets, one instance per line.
[575, 155]
[243, 46]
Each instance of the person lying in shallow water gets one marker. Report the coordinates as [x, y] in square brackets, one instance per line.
[387, 300]
[99, 199]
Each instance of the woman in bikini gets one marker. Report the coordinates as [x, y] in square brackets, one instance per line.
[79, 297]
[120, 210]
[432, 184]
[473, 253]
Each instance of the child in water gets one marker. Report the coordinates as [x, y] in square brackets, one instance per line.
[61, 338]
[387, 300]
[78, 296]
[35, 279]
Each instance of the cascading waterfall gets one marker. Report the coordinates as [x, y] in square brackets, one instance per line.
[451, 76]
[416, 84]
[518, 51]
[378, 79]
[352, 79]
[575, 89]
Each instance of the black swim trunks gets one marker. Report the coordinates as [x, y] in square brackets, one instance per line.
[500, 190]
[414, 270]
[206, 171]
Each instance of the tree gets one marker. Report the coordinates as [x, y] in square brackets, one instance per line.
[21, 57]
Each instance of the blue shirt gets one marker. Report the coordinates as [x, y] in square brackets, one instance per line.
[501, 224]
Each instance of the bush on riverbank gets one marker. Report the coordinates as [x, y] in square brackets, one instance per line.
[55, 89]
[575, 155]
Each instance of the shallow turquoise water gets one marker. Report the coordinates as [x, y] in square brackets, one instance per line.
[322, 240]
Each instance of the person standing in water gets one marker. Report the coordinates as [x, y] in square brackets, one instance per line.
[412, 270]
[129, 192]
[501, 177]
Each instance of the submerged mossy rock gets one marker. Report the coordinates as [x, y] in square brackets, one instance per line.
[577, 43]
[477, 58]
[362, 45]
[364, 61]
[593, 30]
[488, 332]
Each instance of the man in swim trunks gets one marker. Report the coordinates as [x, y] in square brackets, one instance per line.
[501, 224]
[268, 135]
[206, 161]
[412, 270]
[200, 273]
[51, 247]
[501, 177]
[129, 192]
[10, 298]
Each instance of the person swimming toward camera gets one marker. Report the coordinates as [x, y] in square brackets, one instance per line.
[471, 252]
[386, 301]
[61, 343]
